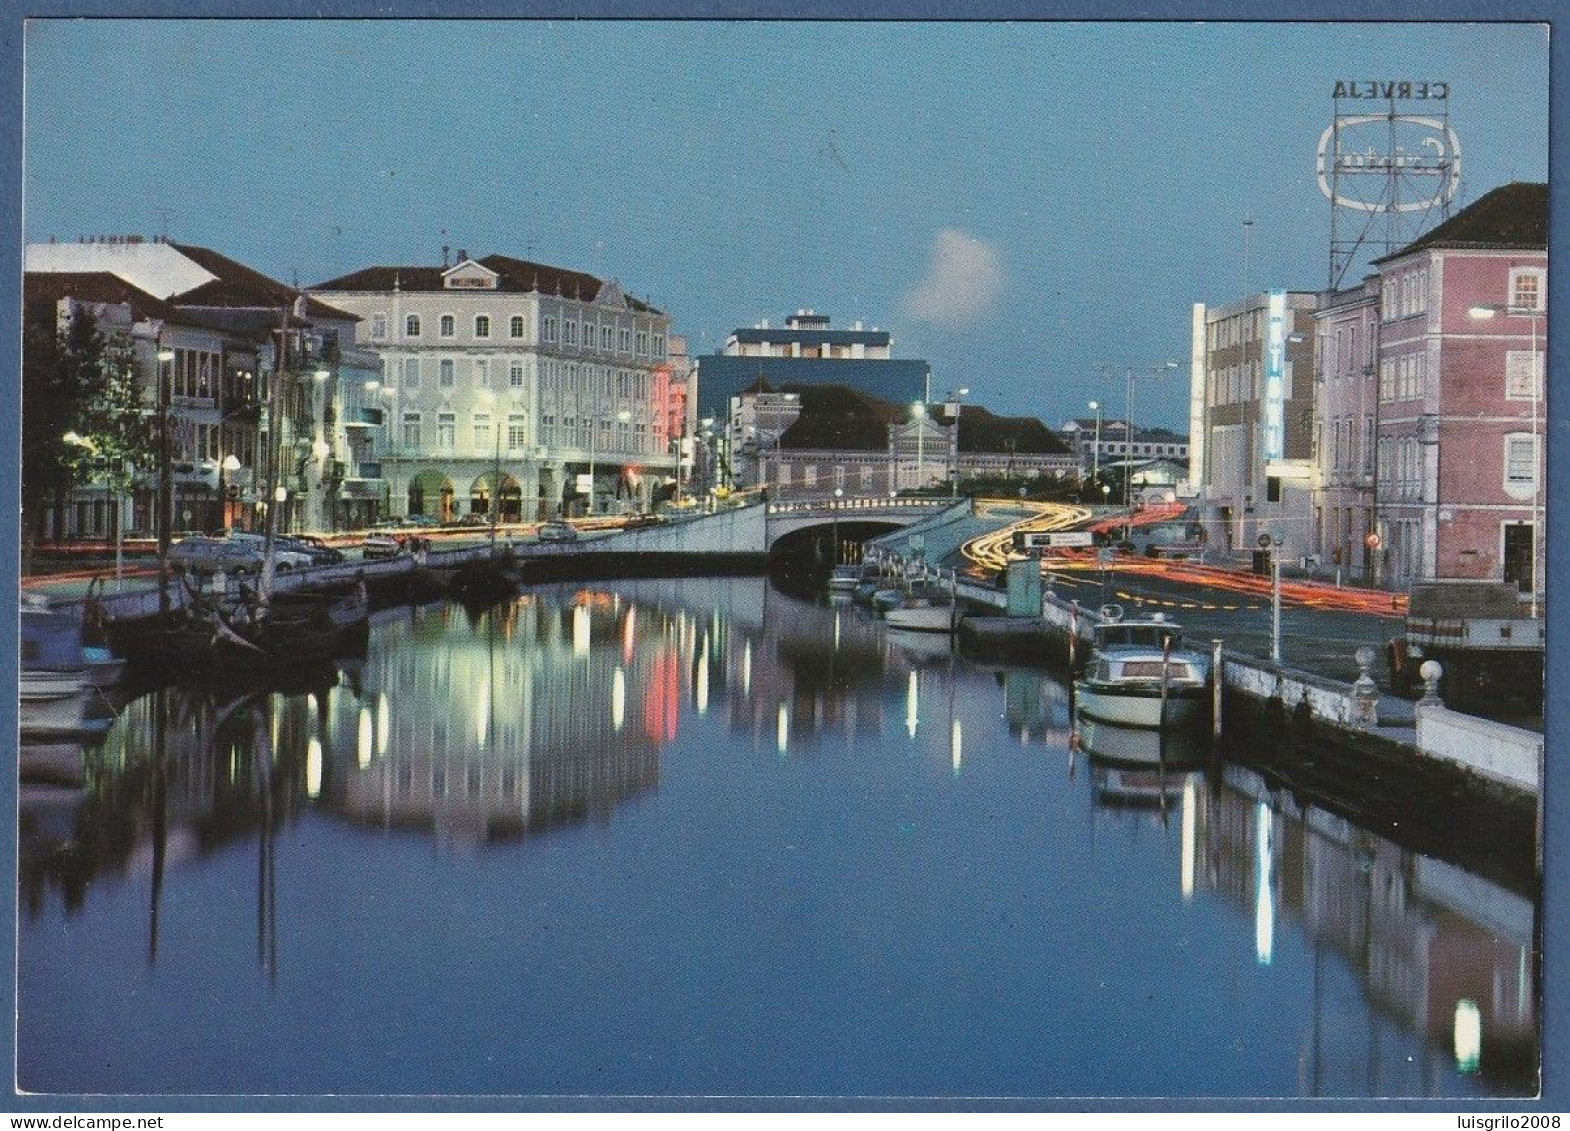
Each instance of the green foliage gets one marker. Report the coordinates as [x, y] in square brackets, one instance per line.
[79, 381]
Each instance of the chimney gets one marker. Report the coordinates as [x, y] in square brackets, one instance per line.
[462, 254]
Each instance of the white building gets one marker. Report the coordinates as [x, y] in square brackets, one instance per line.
[498, 371]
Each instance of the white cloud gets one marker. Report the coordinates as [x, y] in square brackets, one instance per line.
[963, 280]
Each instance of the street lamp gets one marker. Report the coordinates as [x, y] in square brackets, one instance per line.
[957, 396]
[165, 509]
[1095, 474]
[1532, 314]
[1128, 439]
[226, 467]
[834, 553]
[919, 414]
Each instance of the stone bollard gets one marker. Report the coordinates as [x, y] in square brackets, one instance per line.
[1365, 692]
[1431, 672]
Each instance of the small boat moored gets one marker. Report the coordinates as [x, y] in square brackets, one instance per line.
[1140, 675]
[59, 693]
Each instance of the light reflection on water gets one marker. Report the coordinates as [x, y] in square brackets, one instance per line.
[698, 837]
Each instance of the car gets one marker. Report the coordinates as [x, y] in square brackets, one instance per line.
[558, 532]
[321, 553]
[379, 546]
[202, 554]
[307, 546]
[634, 521]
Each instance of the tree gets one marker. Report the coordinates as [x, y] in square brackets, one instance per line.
[77, 381]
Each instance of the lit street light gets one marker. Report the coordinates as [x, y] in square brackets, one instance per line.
[1095, 455]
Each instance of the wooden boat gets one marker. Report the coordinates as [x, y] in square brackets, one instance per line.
[1140, 675]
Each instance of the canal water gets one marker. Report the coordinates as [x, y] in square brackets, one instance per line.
[700, 837]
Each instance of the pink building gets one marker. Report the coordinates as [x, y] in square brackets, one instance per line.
[1462, 338]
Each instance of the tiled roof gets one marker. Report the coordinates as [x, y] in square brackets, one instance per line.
[1510, 216]
[49, 288]
[239, 286]
[981, 431]
[513, 275]
[839, 417]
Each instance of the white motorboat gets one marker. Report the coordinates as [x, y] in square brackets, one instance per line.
[1140, 675]
[924, 608]
[846, 578]
[57, 691]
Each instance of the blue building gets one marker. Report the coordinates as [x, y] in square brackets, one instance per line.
[806, 351]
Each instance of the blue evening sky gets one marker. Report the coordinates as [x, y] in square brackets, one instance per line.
[1019, 203]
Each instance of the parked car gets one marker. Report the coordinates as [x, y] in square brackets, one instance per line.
[379, 546]
[321, 553]
[311, 547]
[236, 555]
[558, 532]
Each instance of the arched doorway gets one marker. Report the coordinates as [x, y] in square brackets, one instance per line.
[509, 496]
[431, 496]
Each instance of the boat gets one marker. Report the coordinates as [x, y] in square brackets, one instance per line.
[846, 578]
[58, 693]
[236, 632]
[1140, 675]
[924, 608]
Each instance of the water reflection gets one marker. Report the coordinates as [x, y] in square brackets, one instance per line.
[1384, 971]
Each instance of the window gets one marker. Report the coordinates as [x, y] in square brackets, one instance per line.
[517, 431]
[515, 326]
[1521, 382]
[482, 432]
[1387, 380]
[411, 430]
[448, 327]
[569, 332]
[809, 475]
[411, 326]
[1520, 463]
[548, 329]
[866, 477]
[411, 372]
[1526, 289]
[515, 375]
[482, 325]
[783, 475]
[378, 326]
[446, 430]
[643, 343]
[659, 345]
[624, 340]
[607, 341]
[482, 373]
[445, 370]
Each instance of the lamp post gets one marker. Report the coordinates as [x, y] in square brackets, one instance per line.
[489, 398]
[957, 396]
[919, 414]
[1128, 439]
[834, 545]
[1095, 454]
[1532, 314]
[165, 509]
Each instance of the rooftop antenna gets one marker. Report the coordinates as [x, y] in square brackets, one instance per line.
[164, 216]
[444, 249]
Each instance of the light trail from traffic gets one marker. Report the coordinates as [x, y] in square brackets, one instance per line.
[990, 552]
